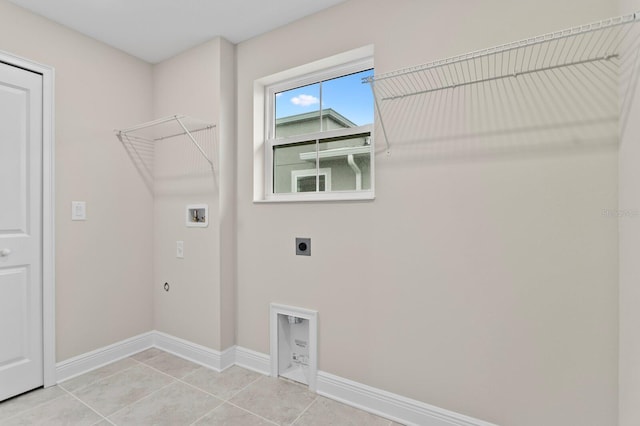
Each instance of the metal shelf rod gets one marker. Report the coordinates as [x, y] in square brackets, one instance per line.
[152, 123]
[206, 157]
[183, 133]
[516, 74]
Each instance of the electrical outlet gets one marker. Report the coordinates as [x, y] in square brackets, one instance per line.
[303, 246]
[180, 249]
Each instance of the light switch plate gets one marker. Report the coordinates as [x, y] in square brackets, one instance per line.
[78, 210]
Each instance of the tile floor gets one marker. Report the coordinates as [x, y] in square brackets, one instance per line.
[156, 388]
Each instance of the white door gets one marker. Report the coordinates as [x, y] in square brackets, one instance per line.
[21, 348]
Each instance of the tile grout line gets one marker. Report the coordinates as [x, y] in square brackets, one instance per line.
[61, 385]
[239, 408]
[243, 388]
[143, 363]
[147, 359]
[42, 404]
[205, 415]
[181, 380]
[177, 380]
[87, 405]
[102, 419]
[141, 399]
[226, 401]
[251, 412]
[111, 375]
[305, 410]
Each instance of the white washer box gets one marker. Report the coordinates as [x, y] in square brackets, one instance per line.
[197, 215]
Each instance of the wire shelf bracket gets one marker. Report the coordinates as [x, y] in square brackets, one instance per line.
[563, 78]
[139, 141]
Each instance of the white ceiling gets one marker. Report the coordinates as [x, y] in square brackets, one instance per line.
[154, 30]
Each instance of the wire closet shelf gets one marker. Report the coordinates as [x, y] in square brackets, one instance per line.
[140, 141]
[566, 79]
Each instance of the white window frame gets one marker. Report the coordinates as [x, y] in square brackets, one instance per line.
[271, 142]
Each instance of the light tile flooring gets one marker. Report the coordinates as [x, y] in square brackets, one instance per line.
[156, 388]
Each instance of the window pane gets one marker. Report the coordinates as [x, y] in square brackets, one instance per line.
[347, 102]
[347, 161]
[308, 183]
[298, 111]
[291, 163]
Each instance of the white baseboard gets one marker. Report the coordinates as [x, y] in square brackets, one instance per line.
[367, 398]
[194, 352]
[389, 405]
[81, 364]
[199, 354]
[376, 401]
[252, 360]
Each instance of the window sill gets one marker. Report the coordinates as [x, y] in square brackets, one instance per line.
[314, 197]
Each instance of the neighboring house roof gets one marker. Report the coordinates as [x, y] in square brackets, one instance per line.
[327, 112]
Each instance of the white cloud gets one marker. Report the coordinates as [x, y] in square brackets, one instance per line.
[304, 100]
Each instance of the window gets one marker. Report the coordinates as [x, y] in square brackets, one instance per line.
[318, 136]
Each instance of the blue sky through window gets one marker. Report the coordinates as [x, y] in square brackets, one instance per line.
[346, 95]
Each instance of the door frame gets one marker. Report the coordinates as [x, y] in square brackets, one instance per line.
[48, 218]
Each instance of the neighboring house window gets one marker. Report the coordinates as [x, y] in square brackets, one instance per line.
[305, 180]
[319, 141]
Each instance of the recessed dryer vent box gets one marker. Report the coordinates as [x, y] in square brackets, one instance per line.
[294, 344]
[198, 215]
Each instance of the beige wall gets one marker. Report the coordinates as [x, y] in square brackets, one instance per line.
[629, 231]
[103, 265]
[197, 83]
[228, 194]
[484, 286]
